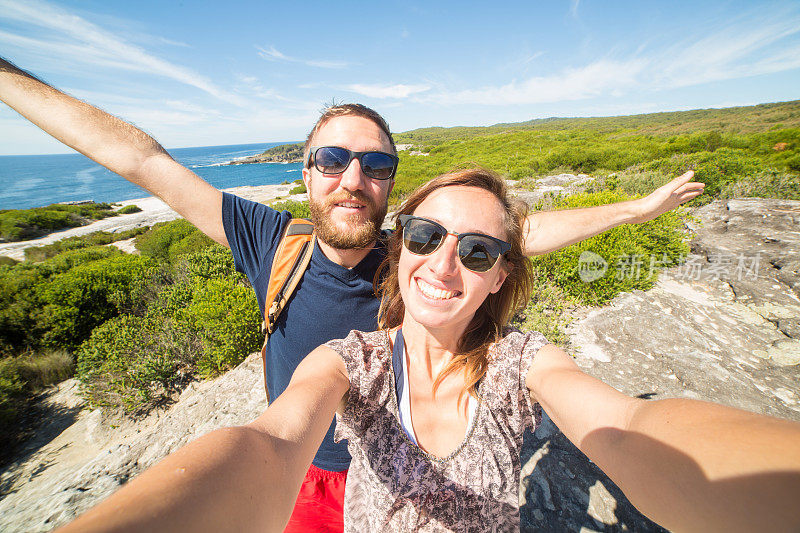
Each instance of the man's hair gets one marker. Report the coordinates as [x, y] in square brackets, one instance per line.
[496, 311]
[345, 110]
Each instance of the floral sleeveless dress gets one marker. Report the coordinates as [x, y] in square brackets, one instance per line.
[393, 485]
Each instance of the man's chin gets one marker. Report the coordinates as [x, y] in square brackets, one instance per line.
[346, 234]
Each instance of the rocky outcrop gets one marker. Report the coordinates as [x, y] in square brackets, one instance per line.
[721, 327]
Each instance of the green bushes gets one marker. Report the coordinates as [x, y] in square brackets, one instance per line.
[169, 240]
[21, 378]
[203, 318]
[515, 152]
[97, 238]
[297, 209]
[128, 209]
[23, 224]
[73, 303]
[622, 259]
[30, 292]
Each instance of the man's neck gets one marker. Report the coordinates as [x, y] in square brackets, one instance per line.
[346, 258]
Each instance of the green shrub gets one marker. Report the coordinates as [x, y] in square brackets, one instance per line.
[74, 302]
[632, 254]
[25, 291]
[765, 184]
[7, 261]
[300, 189]
[97, 238]
[133, 362]
[215, 262]
[23, 224]
[128, 209]
[297, 209]
[169, 240]
[198, 317]
[12, 393]
[226, 319]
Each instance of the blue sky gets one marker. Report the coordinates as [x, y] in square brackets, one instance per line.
[207, 73]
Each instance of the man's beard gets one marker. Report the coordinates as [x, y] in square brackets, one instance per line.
[361, 231]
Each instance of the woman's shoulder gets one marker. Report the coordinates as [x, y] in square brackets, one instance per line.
[515, 342]
[360, 340]
[361, 349]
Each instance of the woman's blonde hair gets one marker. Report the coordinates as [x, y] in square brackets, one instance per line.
[496, 311]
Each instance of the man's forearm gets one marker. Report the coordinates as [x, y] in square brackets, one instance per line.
[552, 230]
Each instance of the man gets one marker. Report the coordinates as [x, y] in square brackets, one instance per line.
[348, 179]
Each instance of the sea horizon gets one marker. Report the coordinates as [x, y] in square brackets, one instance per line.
[28, 181]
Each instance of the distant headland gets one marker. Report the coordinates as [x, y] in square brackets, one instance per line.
[285, 153]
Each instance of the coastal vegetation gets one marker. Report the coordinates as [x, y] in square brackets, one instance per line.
[133, 327]
[25, 224]
[136, 328]
[284, 153]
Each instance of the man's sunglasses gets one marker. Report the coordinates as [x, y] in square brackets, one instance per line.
[477, 252]
[332, 160]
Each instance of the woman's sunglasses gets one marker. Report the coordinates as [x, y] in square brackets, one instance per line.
[332, 160]
[477, 252]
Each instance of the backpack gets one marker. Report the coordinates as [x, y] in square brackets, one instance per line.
[290, 262]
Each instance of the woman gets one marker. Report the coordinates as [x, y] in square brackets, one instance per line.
[439, 447]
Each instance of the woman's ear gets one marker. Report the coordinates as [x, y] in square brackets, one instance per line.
[502, 274]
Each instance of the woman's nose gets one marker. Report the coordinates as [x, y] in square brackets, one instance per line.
[445, 259]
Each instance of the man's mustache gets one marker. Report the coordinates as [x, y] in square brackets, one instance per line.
[349, 197]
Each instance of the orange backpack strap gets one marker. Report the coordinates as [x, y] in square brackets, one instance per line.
[290, 262]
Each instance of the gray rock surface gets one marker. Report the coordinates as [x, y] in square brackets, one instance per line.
[716, 328]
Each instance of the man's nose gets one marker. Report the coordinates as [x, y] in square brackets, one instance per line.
[353, 178]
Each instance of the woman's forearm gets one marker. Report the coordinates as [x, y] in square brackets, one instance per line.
[689, 465]
[243, 478]
[208, 485]
[694, 465]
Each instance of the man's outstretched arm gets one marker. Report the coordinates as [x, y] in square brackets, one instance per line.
[552, 230]
[115, 144]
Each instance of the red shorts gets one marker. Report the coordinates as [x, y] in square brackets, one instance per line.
[320, 504]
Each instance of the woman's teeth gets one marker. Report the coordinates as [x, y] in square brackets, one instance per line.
[434, 293]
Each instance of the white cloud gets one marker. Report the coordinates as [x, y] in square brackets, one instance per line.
[745, 47]
[386, 91]
[272, 54]
[78, 40]
[573, 7]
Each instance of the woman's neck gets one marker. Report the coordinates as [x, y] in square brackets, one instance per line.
[430, 348]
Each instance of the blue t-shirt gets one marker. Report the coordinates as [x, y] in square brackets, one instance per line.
[329, 301]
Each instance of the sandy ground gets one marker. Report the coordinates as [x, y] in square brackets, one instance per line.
[153, 211]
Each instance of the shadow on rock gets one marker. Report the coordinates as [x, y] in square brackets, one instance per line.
[42, 422]
[562, 490]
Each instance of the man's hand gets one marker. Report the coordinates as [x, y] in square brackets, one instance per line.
[667, 197]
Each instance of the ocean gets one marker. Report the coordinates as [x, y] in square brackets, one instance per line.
[38, 180]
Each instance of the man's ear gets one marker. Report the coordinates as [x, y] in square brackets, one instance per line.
[307, 178]
[391, 186]
[505, 268]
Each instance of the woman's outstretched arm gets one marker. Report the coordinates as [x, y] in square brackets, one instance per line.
[688, 465]
[242, 478]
